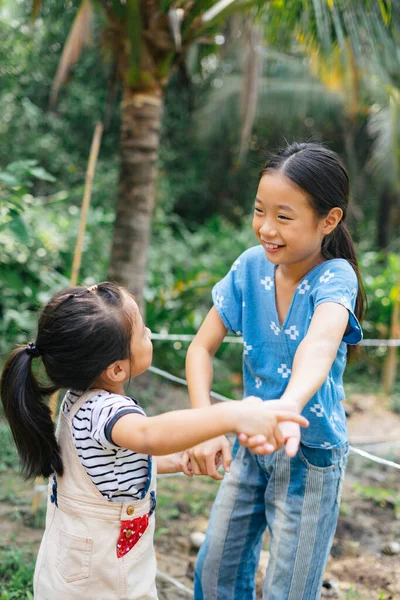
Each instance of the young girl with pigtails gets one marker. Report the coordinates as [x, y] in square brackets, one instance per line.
[297, 299]
[98, 539]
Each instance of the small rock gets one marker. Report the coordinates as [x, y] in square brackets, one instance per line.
[391, 548]
[197, 538]
[348, 409]
[330, 589]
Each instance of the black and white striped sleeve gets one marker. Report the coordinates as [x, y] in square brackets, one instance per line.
[105, 414]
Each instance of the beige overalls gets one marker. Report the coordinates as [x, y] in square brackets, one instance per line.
[93, 548]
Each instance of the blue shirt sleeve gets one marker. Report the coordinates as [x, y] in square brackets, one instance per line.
[338, 283]
[227, 298]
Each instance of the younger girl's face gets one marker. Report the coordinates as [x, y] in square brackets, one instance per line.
[285, 223]
[141, 346]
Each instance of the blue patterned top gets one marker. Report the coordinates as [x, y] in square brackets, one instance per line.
[245, 301]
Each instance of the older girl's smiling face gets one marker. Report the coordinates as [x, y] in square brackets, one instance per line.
[285, 222]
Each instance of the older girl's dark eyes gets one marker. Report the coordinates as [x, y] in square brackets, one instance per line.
[257, 210]
[284, 218]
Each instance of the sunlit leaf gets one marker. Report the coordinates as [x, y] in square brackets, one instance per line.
[41, 173]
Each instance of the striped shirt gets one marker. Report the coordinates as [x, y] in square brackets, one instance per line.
[118, 473]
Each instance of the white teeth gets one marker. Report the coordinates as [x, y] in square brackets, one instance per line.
[270, 246]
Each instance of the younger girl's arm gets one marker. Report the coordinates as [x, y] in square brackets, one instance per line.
[175, 431]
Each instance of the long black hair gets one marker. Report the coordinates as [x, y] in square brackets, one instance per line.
[81, 331]
[320, 173]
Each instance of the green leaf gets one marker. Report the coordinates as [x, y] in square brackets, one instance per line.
[41, 173]
[20, 229]
[9, 179]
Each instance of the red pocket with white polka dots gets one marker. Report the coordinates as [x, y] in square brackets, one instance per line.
[130, 533]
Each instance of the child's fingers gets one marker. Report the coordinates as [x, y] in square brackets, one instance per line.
[291, 416]
[263, 449]
[226, 458]
[186, 464]
[211, 468]
[279, 437]
[292, 446]
[252, 441]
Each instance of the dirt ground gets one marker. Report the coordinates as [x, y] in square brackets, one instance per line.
[363, 563]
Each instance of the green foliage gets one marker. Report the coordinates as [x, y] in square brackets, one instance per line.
[16, 574]
[381, 496]
[8, 452]
[184, 266]
[36, 255]
[381, 274]
[352, 594]
[15, 182]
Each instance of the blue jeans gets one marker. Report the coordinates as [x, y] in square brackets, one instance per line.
[297, 499]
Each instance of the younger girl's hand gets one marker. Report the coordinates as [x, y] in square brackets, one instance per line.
[264, 434]
[290, 432]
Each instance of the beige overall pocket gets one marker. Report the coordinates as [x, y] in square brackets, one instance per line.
[73, 557]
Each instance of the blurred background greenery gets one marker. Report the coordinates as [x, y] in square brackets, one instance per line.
[192, 102]
[232, 89]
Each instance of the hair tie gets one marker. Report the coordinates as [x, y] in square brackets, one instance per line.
[33, 350]
[92, 288]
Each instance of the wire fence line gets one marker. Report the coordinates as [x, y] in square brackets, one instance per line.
[230, 339]
[175, 582]
[173, 378]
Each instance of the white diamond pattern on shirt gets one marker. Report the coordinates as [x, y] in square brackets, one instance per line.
[292, 332]
[275, 328]
[334, 420]
[303, 287]
[247, 348]
[327, 276]
[284, 371]
[318, 410]
[267, 283]
[258, 382]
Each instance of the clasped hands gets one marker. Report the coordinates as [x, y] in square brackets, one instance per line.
[206, 458]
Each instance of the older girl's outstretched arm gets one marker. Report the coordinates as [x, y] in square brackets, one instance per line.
[312, 363]
[316, 353]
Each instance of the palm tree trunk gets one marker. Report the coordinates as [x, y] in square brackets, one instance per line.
[139, 145]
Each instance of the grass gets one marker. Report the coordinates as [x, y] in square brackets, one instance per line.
[8, 452]
[16, 574]
[383, 497]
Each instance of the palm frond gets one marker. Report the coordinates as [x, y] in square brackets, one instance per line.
[251, 84]
[79, 36]
[280, 99]
[384, 128]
